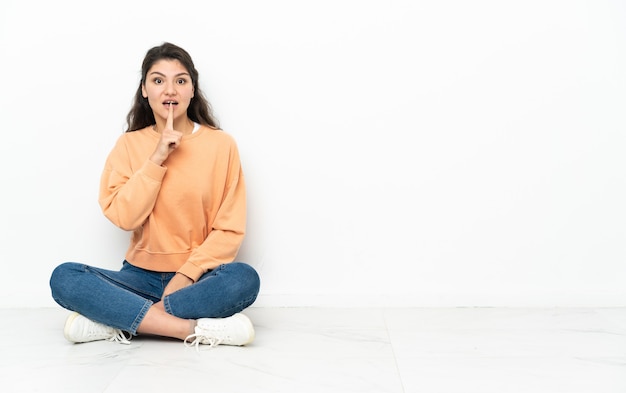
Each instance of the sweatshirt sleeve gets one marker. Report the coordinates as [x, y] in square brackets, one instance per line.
[224, 240]
[127, 196]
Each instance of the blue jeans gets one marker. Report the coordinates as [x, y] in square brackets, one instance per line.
[121, 299]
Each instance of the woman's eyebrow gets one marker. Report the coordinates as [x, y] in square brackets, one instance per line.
[161, 74]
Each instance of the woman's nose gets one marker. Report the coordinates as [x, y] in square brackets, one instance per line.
[170, 89]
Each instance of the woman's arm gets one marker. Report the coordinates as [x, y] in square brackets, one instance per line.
[126, 197]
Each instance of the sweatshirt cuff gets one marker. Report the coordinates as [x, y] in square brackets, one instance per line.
[153, 170]
[192, 271]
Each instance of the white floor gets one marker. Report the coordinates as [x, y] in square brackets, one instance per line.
[360, 350]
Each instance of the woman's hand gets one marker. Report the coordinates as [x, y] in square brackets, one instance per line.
[179, 281]
[170, 139]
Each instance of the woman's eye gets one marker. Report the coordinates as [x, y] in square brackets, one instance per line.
[158, 81]
[181, 81]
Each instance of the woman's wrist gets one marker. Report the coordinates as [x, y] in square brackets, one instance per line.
[156, 159]
[187, 277]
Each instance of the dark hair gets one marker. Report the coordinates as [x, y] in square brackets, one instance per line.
[199, 111]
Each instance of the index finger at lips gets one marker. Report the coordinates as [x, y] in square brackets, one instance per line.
[170, 118]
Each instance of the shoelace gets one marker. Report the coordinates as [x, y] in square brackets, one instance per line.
[202, 339]
[120, 337]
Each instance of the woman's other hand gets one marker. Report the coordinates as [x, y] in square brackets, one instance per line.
[179, 281]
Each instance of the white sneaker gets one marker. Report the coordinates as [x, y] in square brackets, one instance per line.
[234, 330]
[79, 329]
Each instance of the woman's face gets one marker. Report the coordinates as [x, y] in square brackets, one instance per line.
[168, 81]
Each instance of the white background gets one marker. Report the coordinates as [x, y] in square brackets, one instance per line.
[398, 153]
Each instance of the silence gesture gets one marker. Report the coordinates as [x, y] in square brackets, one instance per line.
[170, 139]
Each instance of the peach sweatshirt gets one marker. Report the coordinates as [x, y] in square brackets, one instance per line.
[187, 216]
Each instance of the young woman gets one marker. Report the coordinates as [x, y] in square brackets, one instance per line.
[175, 180]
